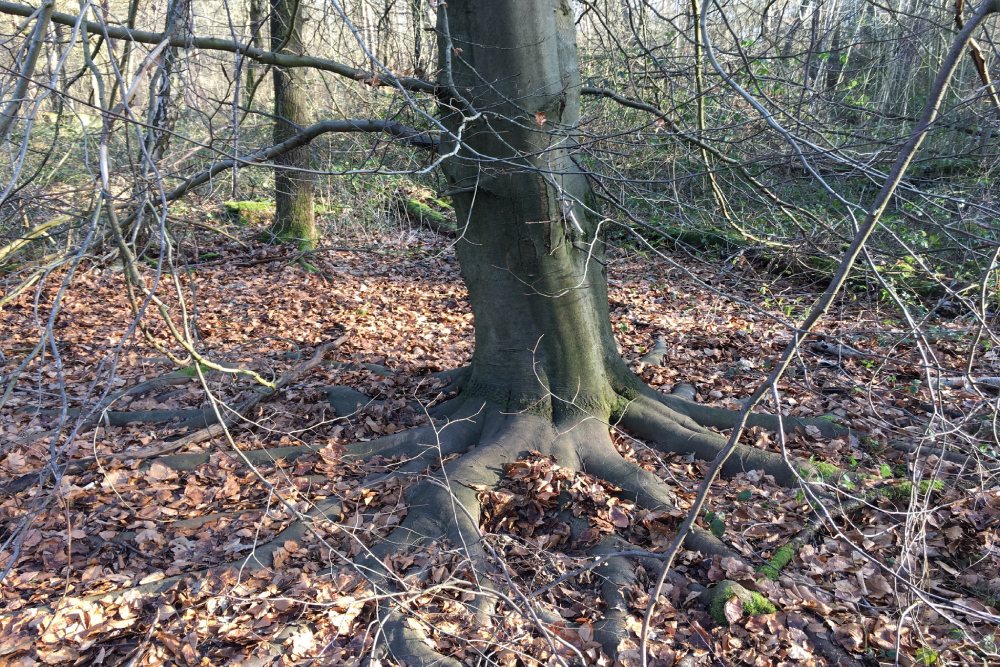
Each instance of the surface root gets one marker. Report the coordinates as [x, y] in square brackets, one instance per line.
[658, 424]
[464, 453]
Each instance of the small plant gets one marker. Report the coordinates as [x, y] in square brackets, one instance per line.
[782, 556]
[421, 206]
[825, 471]
[192, 370]
[716, 523]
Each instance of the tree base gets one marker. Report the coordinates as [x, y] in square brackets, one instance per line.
[461, 461]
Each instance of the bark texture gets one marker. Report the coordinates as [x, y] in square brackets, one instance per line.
[294, 217]
[531, 255]
[162, 112]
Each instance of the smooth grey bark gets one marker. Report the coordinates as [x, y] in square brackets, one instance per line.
[531, 255]
[294, 217]
[161, 116]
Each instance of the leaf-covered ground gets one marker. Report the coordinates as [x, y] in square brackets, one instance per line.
[910, 578]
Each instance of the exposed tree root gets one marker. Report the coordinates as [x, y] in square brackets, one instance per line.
[655, 356]
[783, 555]
[618, 575]
[211, 430]
[672, 425]
[465, 453]
[712, 417]
[822, 519]
[171, 379]
[444, 508]
[835, 654]
[182, 417]
[753, 603]
[718, 595]
[262, 555]
[346, 401]
[969, 459]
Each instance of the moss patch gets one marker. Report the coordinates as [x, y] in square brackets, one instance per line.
[782, 557]
[250, 212]
[821, 471]
[758, 605]
[422, 207]
[754, 604]
[423, 212]
[827, 471]
[192, 370]
[702, 238]
[904, 490]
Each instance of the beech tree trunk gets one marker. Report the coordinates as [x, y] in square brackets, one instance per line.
[531, 254]
[294, 217]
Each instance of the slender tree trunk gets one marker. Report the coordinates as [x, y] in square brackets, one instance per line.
[26, 68]
[418, 27]
[57, 99]
[162, 114]
[835, 66]
[531, 256]
[294, 218]
[257, 10]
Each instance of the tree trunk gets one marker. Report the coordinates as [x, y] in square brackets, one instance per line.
[258, 21]
[162, 116]
[26, 69]
[531, 254]
[294, 218]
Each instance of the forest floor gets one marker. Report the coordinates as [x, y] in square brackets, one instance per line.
[397, 302]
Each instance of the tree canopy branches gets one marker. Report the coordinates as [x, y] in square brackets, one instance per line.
[255, 53]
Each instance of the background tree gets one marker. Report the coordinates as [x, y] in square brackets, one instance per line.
[294, 211]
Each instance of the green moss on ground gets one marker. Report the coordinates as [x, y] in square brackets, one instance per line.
[421, 206]
[820, 471]
[192, 370]
[422, 211]
[250, 212]
[827, 471]
[904, 490]
[758, 605]
[782, 557]
[754, 604]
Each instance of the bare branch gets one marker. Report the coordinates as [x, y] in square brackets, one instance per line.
[216, 44]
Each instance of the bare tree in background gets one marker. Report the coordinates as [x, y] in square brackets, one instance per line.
[294, 213]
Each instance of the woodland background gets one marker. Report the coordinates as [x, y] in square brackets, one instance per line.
[144, 359]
